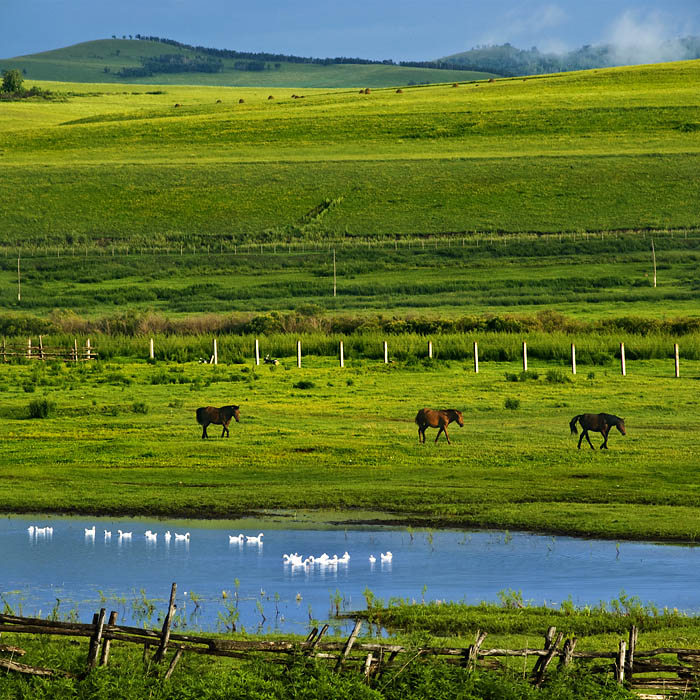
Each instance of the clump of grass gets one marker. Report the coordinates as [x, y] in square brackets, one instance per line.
[304, 384]
[556, 376]
[139, 407]
[512, 404]
[41, 408]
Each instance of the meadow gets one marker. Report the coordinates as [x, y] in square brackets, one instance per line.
[596, 151]
[122, 438]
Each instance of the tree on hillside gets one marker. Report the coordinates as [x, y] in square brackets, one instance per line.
[12, 81]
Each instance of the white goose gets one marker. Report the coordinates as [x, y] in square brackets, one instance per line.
[108, 534]
[151, 536]
[387, 556]
[233, 539]
[167, 536]
[372, 559]
[182, 538]
[124, 535]
[254, 540]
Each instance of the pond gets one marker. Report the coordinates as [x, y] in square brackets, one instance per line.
[222, 581]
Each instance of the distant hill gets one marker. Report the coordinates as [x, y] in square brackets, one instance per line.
[152, 60]
[510, 61]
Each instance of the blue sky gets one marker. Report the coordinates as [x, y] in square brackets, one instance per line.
[376, 29]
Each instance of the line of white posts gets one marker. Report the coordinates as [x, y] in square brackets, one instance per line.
[623, 366]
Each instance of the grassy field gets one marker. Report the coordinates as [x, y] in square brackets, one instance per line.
[123, 439]
[595, 151]
[86, 63]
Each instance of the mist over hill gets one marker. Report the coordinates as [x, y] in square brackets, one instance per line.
[629, 49]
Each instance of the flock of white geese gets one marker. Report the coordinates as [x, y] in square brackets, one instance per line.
[295, 560]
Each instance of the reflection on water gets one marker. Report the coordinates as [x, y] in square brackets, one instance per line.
[287, 579]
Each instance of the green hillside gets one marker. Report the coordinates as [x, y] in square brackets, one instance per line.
[590, 151]
[102, 60]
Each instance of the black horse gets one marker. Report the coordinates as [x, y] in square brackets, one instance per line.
[218, 416]
[430, 418]
[598, 423]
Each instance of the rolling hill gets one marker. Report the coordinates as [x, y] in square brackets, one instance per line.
[103, 60]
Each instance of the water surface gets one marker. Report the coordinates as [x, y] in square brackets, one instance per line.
[219, 581]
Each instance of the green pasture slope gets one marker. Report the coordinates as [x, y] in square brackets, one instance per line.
[86, 63]
[593, 151]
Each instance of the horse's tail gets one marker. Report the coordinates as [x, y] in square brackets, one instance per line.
[572, 425]
[200, 416]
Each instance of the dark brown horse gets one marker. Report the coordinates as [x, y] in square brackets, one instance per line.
[218, 416]
[598, 423]
[430, 418]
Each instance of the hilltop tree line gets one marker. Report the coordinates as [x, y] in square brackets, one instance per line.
[504, 59]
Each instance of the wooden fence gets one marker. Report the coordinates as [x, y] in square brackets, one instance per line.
[32, 351]
[626, 664]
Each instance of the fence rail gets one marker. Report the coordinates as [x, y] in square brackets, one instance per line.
[31, 351]
[626, 664]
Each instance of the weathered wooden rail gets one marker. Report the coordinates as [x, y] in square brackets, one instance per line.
[626, 664]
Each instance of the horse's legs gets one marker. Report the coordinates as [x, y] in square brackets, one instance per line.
[581, 439]
[444, 430]
[204, 432]
[421, 435]
[605, 432]
[225, 430]
[588, 437]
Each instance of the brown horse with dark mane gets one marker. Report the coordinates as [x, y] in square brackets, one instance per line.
[598, 423]
[430, 418]
[218, 416]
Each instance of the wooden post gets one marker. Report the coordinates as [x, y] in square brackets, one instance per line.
[107, 644]
[257, 351]
[473, 651]
[476, 358]
[524, 356]
[386, 353]
[342, 358]
[348, 645]
[634, 633]
[19, 281]
[165, 637]
[29, 348]
[430, 349]
[41, 348]
[152, 354]
[216, 353]
[567, 652]
[546, 660]
[95, 640]
[573, 359]
[173, 663]
[677, 359]
[548, 638]
[623, 368]
[88, 350]
[75, 349]
[620, 665]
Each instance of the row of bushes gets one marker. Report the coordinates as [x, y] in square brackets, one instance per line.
[310, 319]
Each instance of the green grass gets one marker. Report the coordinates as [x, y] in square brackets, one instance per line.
[345, 445]
[594, 151]
[86, 63]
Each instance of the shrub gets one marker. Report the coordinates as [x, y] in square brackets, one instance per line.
[512, 404]
[41, 408]
[139, 407]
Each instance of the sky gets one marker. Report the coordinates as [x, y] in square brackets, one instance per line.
[402, 30]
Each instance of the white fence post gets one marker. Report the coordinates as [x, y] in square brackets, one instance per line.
[386, 353]
[677, 360]
[623, 368]
[573, 359]
[298, 353]
[257, 352]
[152, 353]
[524, 356]
[342, 357]
[430, 349]
[216, 353]
[476, 358]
